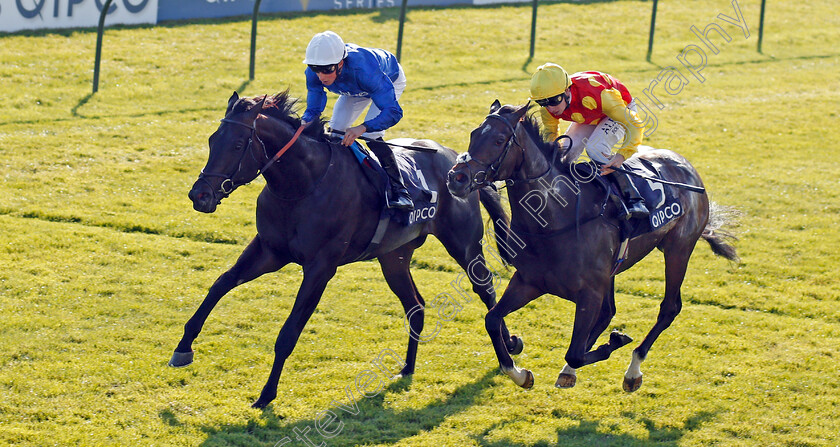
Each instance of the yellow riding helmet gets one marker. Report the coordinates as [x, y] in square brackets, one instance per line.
[549, 80]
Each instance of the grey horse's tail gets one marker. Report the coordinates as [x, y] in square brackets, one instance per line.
[718, 231]
[492, 202]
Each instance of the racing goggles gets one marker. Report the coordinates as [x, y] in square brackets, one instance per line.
[553, 101]
[323, 69]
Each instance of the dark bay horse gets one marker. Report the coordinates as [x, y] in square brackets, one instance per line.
[569, 247]
[318, 210]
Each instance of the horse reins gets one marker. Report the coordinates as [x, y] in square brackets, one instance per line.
[279, 153]
[282, 150]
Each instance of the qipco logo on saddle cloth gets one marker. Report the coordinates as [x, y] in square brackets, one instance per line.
[666, 206]
[422, 214]
[423, 210]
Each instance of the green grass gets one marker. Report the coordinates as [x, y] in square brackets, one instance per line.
[102, 258]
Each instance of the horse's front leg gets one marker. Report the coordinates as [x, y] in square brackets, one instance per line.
[315, 278]
[254, 261]
[591, 316]
[481, 278]
[517, 294]
[568, 377]
[463, 242]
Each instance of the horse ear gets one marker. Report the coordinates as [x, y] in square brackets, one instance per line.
[233, 98]
[495, 106]
[522, 110]
[257, 109]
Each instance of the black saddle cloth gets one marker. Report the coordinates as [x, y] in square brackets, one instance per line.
[661, 200]
[425, 201]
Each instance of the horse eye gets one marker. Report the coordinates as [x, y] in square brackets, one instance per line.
[500, 141]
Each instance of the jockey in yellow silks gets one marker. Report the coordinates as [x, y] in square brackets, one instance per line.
[602, 114]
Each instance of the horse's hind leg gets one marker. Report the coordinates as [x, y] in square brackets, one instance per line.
[254, 261]
[395, 268]
[676, 263]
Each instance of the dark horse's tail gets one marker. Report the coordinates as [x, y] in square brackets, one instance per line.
[492, 202]
[716, 232]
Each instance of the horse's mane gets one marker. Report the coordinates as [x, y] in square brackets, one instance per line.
[284, 108]
[549, 148]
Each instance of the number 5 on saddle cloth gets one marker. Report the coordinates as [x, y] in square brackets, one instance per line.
[661, 201]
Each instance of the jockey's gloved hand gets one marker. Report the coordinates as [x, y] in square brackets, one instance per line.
[615, 162]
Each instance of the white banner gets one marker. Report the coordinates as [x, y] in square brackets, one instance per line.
[16, 15]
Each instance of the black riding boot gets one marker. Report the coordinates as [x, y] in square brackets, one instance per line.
[635, 204]
[399, 197]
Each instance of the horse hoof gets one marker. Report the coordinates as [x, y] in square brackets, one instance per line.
[518, 345]
[181, 359]
[262, 402]
[565, 380]
[631, 385]
[529, 380]
[618, 339]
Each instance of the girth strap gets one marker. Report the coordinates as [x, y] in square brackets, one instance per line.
[378, 235]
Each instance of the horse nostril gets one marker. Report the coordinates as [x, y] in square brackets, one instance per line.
[197, 196]
[455, 177]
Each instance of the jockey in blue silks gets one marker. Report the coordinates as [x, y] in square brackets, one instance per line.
[361, 77]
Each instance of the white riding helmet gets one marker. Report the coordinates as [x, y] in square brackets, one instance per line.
[325, 48]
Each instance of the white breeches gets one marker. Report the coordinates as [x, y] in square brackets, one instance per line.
[348, 109]
[599, 139]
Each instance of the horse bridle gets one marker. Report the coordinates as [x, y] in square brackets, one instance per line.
[228, 186]
[489, 170]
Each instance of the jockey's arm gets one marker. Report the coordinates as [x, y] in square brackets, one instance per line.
[316, 98]
[382, 94]
[614, 107]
